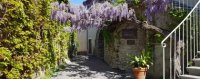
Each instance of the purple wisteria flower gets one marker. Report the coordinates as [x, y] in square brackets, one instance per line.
[154, 7]
[83, 17]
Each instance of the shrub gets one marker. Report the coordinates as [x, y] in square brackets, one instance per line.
[29, 40]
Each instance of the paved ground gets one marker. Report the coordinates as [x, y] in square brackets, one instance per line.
[84, 67]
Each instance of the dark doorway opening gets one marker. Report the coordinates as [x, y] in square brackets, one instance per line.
[101, 45]
[90, 46]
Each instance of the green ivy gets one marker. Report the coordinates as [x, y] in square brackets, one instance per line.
[120, 1]
[137, 2]
[177, 16]
[158, 38]
[29, 38]
[108, 37]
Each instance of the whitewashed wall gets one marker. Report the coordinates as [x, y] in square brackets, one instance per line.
[92, 32]
[82, 40]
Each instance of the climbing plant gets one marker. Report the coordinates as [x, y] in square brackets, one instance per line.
[177, 15]
[29, 40]
[82, 17]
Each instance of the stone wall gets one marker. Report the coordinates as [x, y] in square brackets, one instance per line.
[156, 71]
[117, 54]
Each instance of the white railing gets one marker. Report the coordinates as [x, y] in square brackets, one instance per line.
[182, 44]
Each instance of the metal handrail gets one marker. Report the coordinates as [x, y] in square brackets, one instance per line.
[173, 46]
[189, 14]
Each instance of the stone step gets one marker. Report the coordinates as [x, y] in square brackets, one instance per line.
[189, 77]
[196, 61]
[194, 70]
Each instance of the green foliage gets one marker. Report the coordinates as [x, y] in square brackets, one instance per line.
[144, 60]
[5, 57]
[108, 37]
[177, 16]
[137, 2]
[120, 1]
[65, 1]
[158, 38]
[72, 45]
[28, 39]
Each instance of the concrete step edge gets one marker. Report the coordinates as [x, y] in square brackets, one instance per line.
[196, 59]
[189, 77]
[194, 67]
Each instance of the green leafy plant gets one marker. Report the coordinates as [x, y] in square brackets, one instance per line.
[120, 1]
[143, 60]
[177, 16]
[137, 2]
[107, 37]
[28, 39]
[158, 37]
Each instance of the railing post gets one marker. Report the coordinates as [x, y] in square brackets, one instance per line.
[183, 38]
[163, 46]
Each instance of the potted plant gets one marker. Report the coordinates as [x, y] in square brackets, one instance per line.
[140, 64]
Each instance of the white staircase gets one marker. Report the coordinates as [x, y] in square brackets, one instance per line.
[181, 47]
[189, 77]
[197, 62]
[194, 71]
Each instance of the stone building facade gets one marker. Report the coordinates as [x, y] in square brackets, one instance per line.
[116, 54]
[127, 39]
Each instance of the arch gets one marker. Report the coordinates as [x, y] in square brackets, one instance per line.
[99, 44]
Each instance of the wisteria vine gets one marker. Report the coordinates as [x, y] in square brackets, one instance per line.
[82, 17]
[154, 7]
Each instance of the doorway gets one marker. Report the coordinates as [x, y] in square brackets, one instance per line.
[90, 46]
[101, 45]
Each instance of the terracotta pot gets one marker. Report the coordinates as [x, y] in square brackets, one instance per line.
[139, 73]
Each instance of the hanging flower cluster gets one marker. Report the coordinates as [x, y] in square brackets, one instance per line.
[82, 17]
[156, 6]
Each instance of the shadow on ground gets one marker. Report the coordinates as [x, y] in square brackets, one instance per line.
[84, 67]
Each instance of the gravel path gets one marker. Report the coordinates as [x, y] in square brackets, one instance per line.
[84, 67]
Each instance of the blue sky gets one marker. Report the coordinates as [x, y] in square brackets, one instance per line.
[76, 2]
